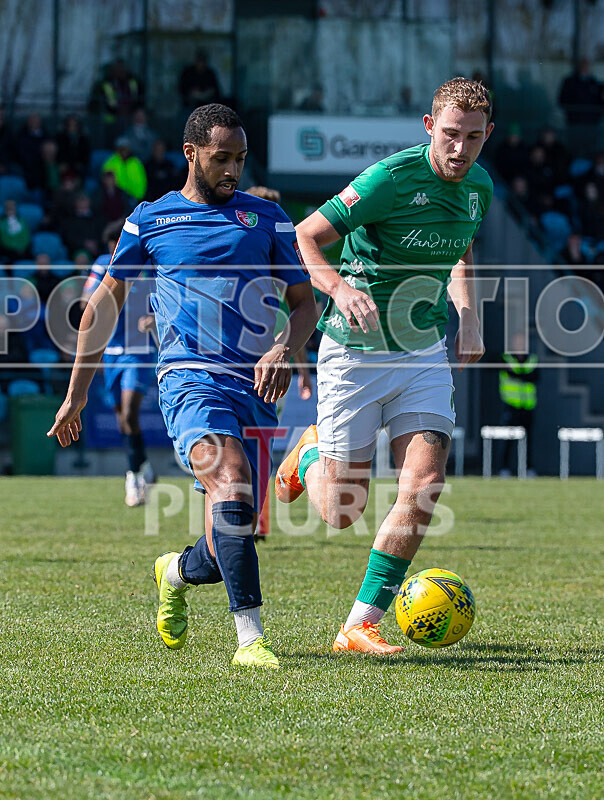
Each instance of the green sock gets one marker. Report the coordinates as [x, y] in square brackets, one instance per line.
[309, 457]
[383, 578]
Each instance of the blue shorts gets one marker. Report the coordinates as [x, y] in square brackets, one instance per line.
[126, 372]
[195, 403]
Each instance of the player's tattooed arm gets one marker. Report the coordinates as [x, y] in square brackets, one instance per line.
[435, 438]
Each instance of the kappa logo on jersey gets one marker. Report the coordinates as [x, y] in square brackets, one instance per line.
[247, 218]
[420, 199]
[336, 322]
[349, 196]
[473, 204]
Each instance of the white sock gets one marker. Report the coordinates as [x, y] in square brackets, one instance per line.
[173, 575]
[249, 627]
[363, 612]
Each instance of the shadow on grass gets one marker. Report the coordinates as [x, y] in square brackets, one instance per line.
[472, 656]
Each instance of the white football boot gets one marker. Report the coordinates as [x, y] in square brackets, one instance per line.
[134, 495]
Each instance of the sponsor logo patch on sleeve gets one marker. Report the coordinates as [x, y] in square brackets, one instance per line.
[349, 196]
[300, 259]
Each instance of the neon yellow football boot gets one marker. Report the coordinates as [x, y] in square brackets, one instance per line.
[257, 654]
[172, 616]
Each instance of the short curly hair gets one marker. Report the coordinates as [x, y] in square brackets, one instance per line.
[464, 94]
[201, 121]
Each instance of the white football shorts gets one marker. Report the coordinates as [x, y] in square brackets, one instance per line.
[360, 392]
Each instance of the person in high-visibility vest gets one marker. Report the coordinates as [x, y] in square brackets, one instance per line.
[518, 392]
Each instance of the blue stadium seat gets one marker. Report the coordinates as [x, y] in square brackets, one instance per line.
[177, 158]
[557, 228]
[22, 386]
[44, 355]
[12, 187]
[97, 159]
[25, 268]
[3, 406]
[51, 244]
[579, 166]
[64, 270]
[32, 214]
[91, 185]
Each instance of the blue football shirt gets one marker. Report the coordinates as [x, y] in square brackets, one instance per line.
[219, 272]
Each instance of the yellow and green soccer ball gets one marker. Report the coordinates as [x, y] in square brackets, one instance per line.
[435, 608]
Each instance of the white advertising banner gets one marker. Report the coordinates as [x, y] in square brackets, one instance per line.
[317, 144]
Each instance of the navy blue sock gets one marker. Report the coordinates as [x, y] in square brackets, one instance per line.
[135, 450]
[236, 553]
[197, 565]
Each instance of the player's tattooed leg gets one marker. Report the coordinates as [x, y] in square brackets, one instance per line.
[434, 437]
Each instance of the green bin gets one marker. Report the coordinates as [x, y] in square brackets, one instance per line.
[31, 415]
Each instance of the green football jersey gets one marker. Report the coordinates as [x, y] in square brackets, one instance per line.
[405, 228]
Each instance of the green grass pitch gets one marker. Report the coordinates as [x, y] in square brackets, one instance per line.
[92, 705]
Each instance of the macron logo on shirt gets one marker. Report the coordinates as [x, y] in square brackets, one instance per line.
[166, 220]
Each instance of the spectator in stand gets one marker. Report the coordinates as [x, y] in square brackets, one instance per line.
[74, 146]
[511, 156]
[15, 238]
[109, 201]
[198, 84]
[591, 211]
[121, 92]
[596, 173]
[29, 149]
[130, 175]
[7, 145]
[63, 202]
[140, 135]
[82, 260]
[45, 279]
[539, 173]
[557, 157]
[314, 100]
[82, 229]
[581, 96]
[574, 253]
[50, 174]
[162, 175]
[16, 352]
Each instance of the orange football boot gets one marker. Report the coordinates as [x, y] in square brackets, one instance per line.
[364, 638]
[287, 482]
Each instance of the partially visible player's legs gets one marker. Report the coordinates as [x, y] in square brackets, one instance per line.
[337, 488]
[227, 551]
[421, 458]
[127, 414]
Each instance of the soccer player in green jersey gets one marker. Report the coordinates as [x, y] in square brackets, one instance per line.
[408, 224]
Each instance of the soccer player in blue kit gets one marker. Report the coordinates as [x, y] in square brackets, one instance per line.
[219, 257]
[128, 362]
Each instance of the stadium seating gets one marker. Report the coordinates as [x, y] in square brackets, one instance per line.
[44, 355]
[97, 159]
[3, 406]
[50, 243]
[32, 214]
[26, 268]
[557, 229]
[177, 158]
[12, 187]
[22, 386]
